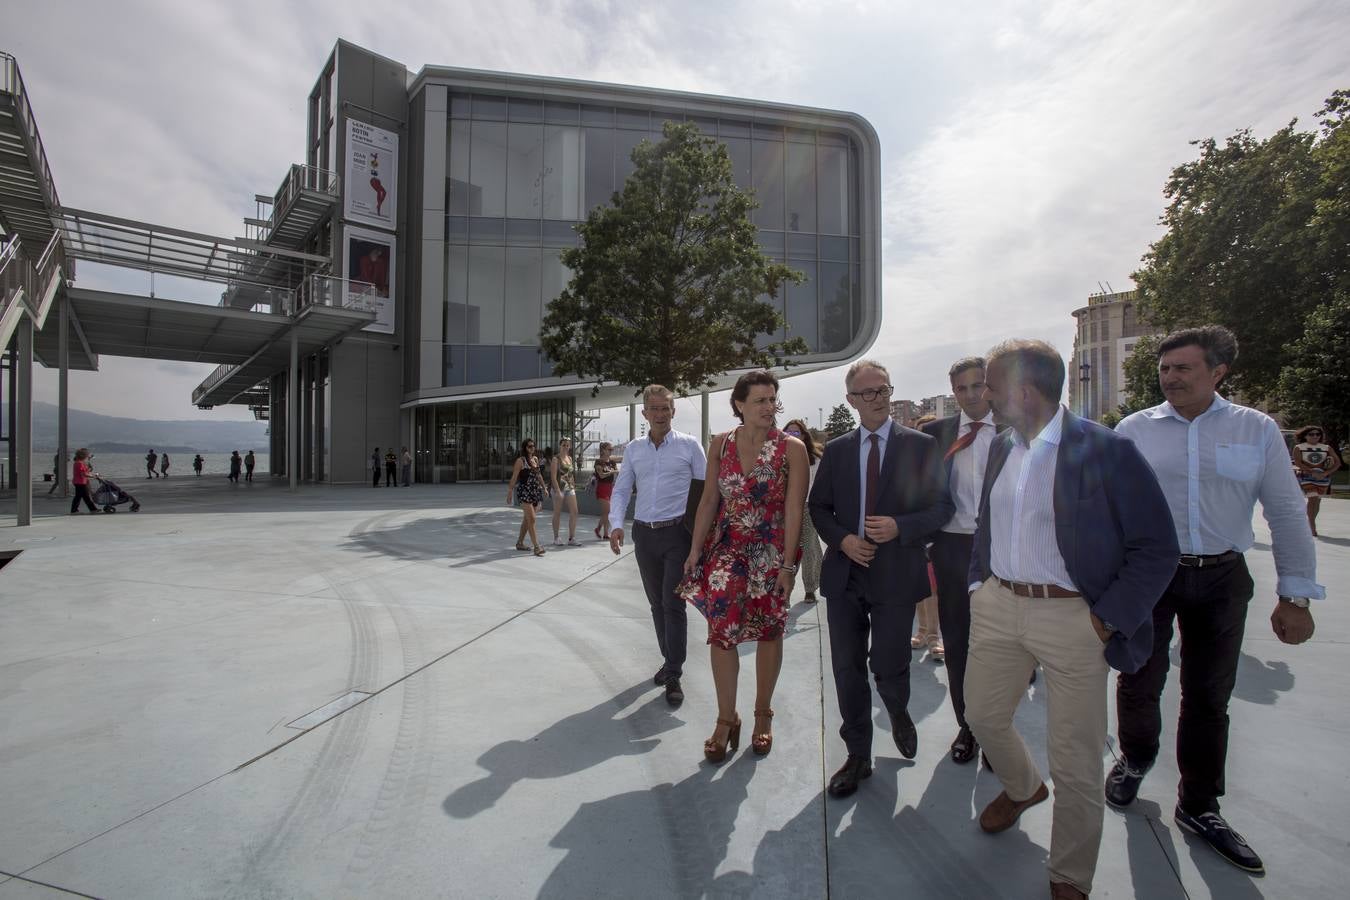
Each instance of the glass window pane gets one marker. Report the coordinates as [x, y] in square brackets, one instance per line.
[729, 128]
[854, 218]
[493, 108]
[763, 340]
[487, 169]
[522, 296]
[768, 175]
[522, 231]
[597, 171]
[835, 331]
[484, 321]
[560, 113]
[459, 106]
[771, 242]
[562, 166]
[706, 125]
[801, 135]
[524, 110]
[598, 115]
[637, 119]
[459, 194]
[485, 365]
[802, 313]
[855, 286]
[739, 151]
[457, 228]
[801, 187]
[520, 363]
[555, 277]
[486, 231]
[768, 132]
[524, 167]
[453, 360]
[560, 234]
[834, 248]
[801, 246]
[832, 173]
[456, 294]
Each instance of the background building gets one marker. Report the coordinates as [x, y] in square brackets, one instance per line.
[1108, 328]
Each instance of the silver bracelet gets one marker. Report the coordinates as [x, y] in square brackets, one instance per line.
[792, 569]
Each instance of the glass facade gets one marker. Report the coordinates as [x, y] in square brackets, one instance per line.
[479, 440]
[521, 173]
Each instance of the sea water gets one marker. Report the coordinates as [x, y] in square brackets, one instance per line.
[131, 466]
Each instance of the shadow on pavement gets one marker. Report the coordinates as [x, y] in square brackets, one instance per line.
[1262, 682]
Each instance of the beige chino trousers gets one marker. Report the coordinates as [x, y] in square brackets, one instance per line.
[1009, 635]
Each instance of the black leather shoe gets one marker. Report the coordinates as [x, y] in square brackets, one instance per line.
[845, 781]
[964, 747]
[1213, 830]
[1122, 782]
[906, 737]
[661, 677]
[674, 694]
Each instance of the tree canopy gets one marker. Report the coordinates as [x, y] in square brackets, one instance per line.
[1258, 240]
[840, 421]
[669, 284]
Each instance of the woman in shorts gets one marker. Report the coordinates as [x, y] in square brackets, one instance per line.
[562, 472]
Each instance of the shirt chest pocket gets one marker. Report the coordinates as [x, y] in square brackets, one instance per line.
[1238, 462]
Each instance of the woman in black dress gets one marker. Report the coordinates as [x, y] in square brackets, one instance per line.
[527, 487]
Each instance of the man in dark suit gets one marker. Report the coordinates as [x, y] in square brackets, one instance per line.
[879, 492]
[964, 440]
[1071, 553]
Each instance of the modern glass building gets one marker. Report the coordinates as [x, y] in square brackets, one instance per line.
[455, 192]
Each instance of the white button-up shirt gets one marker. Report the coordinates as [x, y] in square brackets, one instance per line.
[883, 433]
[967, 476]
[1022, 545]
[661, 473]
[1213, 469]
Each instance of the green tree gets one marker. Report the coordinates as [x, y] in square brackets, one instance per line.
[1256, 241]
[840, 421]
[1314, 385]
[1141, 376]
[669, 284]
[1111, 418]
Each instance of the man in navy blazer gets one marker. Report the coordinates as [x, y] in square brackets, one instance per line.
[1071, 553]
[879, 492]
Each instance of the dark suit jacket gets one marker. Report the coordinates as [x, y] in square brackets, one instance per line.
[1113, 528]
[912, 489]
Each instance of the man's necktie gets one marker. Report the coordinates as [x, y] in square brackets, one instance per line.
[964, 440]
[873, 474]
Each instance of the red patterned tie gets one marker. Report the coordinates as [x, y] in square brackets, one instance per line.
[873, 475]
[964, 441]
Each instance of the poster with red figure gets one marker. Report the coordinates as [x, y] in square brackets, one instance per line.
[369, 284]
[370, 194]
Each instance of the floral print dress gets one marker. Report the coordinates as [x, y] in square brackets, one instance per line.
[733, 584]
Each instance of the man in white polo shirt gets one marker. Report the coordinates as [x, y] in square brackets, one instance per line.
[660, 466]
[1214, 460]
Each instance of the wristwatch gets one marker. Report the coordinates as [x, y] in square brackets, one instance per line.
[1300, 602]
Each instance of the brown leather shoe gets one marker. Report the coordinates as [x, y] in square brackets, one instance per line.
[1003, 813]
[1062, 890]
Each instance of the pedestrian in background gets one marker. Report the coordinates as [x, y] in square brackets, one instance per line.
[375, 467]
[527, 483]
[56, 473]
[563, 476]
[249, 462]
[929, 633]
[604, 470]
[164, 465]
[150, 459]
[80, 480]
[1314, 461]
[407, 467]
[390, 468]
[236, 461]
[197, 463]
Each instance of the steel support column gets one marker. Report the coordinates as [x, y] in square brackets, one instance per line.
[63, 394]
[632, 422]
[293, 414]
[703, 424]
[23, 419]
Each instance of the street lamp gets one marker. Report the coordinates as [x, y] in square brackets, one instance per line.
[1085, 392]
[820, 418]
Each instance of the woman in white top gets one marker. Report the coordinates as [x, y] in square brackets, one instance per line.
[1314, 461]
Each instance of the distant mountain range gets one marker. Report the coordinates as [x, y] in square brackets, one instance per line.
[114, 434]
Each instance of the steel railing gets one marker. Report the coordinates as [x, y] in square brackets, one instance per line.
[11, 82]
[338, 292]
[300, 178]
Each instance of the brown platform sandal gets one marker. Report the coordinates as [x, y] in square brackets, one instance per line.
[762, 742]
[715, 752]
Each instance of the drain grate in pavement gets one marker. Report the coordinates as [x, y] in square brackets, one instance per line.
[328, 710]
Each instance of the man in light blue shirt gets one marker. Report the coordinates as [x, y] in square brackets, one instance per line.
[1214, 460]
[660, 467]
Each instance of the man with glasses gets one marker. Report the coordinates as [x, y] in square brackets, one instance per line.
[879, 492]
[660, 467]
[1214, 459]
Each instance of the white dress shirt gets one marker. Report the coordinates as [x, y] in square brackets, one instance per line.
[967, 476]
[662, 474]
[1213, 469]
[1022, 545]
[883, 434]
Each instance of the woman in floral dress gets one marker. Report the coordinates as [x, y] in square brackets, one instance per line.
[527, 485]
[736, 574]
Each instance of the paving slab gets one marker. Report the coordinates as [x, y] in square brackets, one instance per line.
[509, 742]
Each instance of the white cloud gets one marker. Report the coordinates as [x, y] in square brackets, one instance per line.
[1025, 143]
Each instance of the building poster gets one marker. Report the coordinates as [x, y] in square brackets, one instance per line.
[370, 276]
[371, 191]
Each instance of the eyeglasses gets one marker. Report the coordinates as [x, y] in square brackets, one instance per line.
[873, 393]
[794, 432]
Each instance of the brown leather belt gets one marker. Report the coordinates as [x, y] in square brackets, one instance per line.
[1040, 591]
[1192, 561]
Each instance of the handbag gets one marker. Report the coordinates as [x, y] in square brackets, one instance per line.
[696, 494]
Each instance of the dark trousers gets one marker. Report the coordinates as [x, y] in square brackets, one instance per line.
[889, 620]
[375, 477]
[950, 555]
[1210, 608]
[390, 474]
[660, 557]
[82, 493]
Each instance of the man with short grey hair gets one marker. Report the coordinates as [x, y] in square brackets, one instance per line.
[660, 467]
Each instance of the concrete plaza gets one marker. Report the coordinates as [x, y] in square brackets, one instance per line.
[357, 692]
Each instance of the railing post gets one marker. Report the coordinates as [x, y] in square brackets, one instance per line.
[22, 435]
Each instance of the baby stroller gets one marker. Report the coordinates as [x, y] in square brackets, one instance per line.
[110, 496]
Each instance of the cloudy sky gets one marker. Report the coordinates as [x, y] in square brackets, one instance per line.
[1025, 142]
